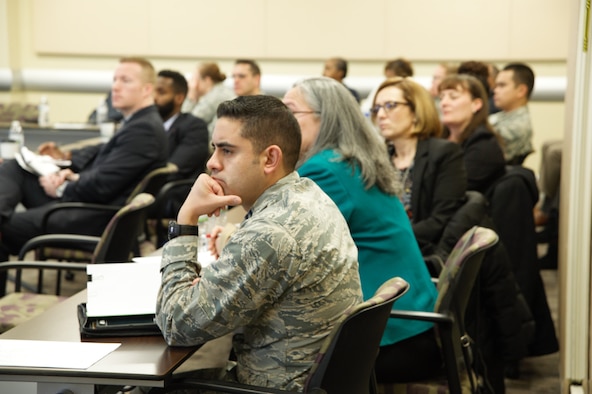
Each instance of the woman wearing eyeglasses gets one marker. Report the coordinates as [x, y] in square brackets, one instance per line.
[430, 169]
[342, 153]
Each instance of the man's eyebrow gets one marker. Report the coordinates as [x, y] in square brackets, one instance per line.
[223, 145]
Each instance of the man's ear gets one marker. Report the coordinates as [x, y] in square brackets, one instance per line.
[272, 158]
[179, 99]
[148, 89]
[522, 90]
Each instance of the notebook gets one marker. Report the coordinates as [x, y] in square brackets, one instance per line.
[121, 299]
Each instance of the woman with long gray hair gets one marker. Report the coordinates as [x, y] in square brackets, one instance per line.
[344, 155]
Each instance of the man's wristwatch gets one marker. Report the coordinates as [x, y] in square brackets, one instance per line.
[176, 229]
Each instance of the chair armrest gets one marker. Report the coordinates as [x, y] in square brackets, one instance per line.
[58, 241]
[229, 387]
[173, 185]
[77, 205]
[20, 264]
[423, 316]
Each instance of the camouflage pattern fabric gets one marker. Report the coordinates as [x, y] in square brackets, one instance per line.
[282, 282]
[516, 130]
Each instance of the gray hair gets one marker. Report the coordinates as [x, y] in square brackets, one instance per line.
[345, 129]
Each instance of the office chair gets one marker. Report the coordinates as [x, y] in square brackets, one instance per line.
[345, 363]
[82, 252]
[167, 202]
[115, 245]
[455, 285]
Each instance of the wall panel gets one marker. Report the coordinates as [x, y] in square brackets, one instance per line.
[320, 29]
[539, 29]
[214, 29]
[452, 29]
[307, 29]
[85, 27]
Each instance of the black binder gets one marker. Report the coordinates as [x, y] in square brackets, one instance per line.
[116, 326]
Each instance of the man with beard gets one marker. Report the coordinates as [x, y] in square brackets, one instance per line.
[187, 134]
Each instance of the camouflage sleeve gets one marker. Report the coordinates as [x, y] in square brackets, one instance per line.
[244, 281]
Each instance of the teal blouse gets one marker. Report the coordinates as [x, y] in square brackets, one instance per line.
[382, 232]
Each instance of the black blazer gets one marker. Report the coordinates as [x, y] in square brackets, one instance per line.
[110, 171]
[439, 186]
[188, 146]
[484, 159]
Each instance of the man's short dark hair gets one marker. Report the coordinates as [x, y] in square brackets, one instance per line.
[265, 121]
[400, 67]
[341, 65]
[179, 81]
[523, 74]
[255, 70]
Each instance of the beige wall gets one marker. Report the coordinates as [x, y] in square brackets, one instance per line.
[288, 38]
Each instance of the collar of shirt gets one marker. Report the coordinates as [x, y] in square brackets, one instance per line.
[169, 122]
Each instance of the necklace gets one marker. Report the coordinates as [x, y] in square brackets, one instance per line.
[406, 184]
[405, 180]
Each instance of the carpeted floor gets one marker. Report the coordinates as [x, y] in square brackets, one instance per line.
[541, 374]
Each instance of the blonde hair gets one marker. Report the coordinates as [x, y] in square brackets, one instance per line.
[420, 103]
[148, 71]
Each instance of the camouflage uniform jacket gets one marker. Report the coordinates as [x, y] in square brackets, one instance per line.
[515, 129]
[281, 283]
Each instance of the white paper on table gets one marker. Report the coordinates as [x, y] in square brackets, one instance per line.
[52, 354]
[122, 289]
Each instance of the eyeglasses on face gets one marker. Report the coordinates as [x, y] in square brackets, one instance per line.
[388, 106]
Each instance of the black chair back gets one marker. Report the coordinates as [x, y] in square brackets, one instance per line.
[121, 234]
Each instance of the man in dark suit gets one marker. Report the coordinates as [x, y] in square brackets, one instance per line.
[103, 174]
[187, 134]
[188, 143]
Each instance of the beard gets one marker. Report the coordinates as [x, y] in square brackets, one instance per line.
[166, 110]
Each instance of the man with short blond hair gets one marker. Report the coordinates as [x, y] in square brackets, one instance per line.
[103, 174]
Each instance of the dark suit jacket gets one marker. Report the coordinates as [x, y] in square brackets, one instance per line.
[188, 146]
[512, 199]
[484, 159]
[439, 185]
[108, 174]
[110, 171]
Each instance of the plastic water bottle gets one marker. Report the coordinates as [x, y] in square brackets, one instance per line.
[102, 112]
[16, 133]
[43, 119]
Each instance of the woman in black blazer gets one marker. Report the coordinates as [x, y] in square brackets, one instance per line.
[464, 107]
[431, 169]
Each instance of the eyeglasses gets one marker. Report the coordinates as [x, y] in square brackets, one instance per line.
[305, 112]
[388, 106]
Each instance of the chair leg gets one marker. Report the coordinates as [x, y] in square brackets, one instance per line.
[40, 282]
[58, 282]
[3, 282]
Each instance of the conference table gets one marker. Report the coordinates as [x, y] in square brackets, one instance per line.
[139, 361]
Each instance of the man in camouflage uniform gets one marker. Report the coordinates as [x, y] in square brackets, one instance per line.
[513, 87]
[284, 277]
